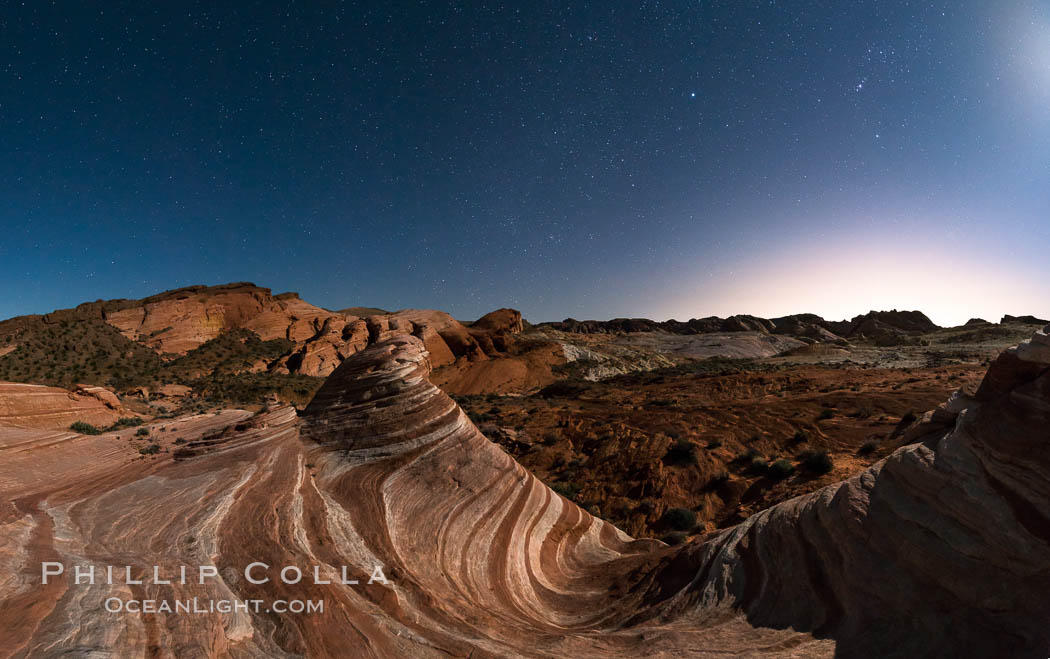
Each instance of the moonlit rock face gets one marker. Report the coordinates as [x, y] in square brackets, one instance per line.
[943, 548]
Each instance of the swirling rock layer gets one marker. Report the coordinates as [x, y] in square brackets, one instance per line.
[942, 549]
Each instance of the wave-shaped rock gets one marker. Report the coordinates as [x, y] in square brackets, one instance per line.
[941, 549]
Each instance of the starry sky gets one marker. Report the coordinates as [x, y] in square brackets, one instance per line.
[586, 159]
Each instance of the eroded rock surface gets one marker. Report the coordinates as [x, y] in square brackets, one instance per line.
[942, 549]
[37, 406]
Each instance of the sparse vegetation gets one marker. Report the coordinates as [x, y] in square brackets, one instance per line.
[680, 519]
[718, 480]
[682, 453]
[780, 469]
[150, 450]
[816, 462]
[868, 448]
[567, 490]
[125, 422]
[759, 466]
[142, 432]
[84, 428]
[565, 389]
[674, 538]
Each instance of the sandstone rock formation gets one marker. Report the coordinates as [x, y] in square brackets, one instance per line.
[942, 549]
[37, 406]
[176, 322]
[501, 320]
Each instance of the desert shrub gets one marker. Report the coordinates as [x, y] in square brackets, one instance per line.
[747, 456]
[179, 440]
[142, 432]
[567, 490]
[149, 450]
[718, 480]
[825, 414]
[759, 466]
[715, 443]
[800, 437]
[682, 453]
[564, 389]
[84, 428]
[865, 411]
[868, 448]
[817, 462]
[674, 538]
[780, 469]
[910, 417]
[680, 519]
[126, 422]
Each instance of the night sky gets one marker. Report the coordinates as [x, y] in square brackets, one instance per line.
[585, 159]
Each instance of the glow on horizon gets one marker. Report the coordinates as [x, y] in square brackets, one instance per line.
[950, 290]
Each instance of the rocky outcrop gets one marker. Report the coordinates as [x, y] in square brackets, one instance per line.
[37, 406]
[876, 324]
[941, 549]
[1024, 320]
[179, 321]
[976, 321]
[872, 325]
[500, 321]
[806, 326]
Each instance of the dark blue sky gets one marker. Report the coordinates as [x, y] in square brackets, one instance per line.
[565, 158]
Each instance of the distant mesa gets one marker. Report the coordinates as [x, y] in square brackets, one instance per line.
[872, 325]
[1024, 320]
[976, 321]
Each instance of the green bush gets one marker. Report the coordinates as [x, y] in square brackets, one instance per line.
[682, 453]
[747, 456]
[674, 538]
[567, 490]
[149, 450]
[818, 462]
[142, 432]
[126, 422]
[780, 469]
[759, 466]
[680, 519]
[84, 428]
[800, 437]
[718, 480]
[565, 389]
[868, 448]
